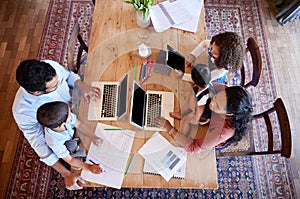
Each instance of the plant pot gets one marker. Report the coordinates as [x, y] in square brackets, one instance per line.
[141, 21]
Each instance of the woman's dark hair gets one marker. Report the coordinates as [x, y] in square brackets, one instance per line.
[231, 48]
[240, 105]
[200, 75]
[33, 75]
[53, 114]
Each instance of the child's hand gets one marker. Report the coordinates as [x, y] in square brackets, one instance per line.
[178, 73]
[194, 121]
[97, 141]
[95, 168]
[190, 59]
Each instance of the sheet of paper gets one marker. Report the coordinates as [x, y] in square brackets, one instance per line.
[194, 7]
[163, 157]
[112, 155]
[168, 13]
[159, 20]
[180, 173]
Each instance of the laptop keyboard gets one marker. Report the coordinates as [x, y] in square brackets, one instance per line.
[109, 101]
[160, 65]
[154, 108]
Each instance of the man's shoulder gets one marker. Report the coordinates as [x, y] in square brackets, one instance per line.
[54, 64]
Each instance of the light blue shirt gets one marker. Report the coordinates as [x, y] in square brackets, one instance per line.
[56, 140]
[25, 107]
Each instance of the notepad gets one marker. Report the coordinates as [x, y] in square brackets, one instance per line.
[194, 8]
[112, 155]
[180, 173]
[162, 156]
[168, 13]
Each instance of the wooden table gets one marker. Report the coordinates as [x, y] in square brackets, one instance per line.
[112, 53]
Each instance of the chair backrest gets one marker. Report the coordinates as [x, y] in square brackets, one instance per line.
[285, 130]
[246, 145]
[75, 35]
[253, 48]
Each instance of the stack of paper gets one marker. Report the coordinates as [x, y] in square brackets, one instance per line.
[180, 14]
[180, 173]
[112, 155]
[163, 158]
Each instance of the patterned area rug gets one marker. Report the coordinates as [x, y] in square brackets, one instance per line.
[238, 177]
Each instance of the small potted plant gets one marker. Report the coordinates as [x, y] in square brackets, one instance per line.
[142, 9]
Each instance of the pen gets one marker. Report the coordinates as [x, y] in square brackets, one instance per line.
[129, 165]
[92, 161]
[103, 170]
[144, 71]
[113, 129]
[134, 72]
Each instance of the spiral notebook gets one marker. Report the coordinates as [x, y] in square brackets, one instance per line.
[162, 156]
[180, 173]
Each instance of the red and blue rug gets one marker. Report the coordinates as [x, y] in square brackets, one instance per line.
[238, 177]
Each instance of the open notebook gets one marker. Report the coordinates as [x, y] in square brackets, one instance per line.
[162, 156]
[180, 173]
[112, 155]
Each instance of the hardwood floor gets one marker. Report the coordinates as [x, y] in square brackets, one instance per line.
[22, 23]
[284, 48]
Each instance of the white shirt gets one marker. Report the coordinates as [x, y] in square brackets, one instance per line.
[56, 140]
[25, 107]
[198, 50]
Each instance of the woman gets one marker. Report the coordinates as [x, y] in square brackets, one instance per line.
[231, 111]
[226, 52]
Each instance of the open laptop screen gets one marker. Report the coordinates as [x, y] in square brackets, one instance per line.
[138, 105]
[123, 96]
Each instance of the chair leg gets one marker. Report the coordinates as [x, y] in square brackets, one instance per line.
[78, 61]
[82, 43]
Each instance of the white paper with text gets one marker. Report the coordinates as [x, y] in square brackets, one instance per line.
[163, 157]
[112, 155]
[168, 13]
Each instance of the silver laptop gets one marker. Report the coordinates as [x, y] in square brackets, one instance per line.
[146, 105]
[113, 101]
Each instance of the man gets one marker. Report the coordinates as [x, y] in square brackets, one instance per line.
[42, 82]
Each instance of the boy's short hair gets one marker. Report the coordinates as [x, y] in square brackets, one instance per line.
[53, 114]
[201, 75]
[33, 75]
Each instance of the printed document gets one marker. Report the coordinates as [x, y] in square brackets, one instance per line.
[180, 173]
[162, 156]
[194, 8]
[112, 155]
[168, 13]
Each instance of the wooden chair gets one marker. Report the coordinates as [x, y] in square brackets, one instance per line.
[253, 48]
[285, 134]
[75, 35]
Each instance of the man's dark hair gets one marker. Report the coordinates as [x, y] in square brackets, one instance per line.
[201, 75]
[33, 75]
[53, 114]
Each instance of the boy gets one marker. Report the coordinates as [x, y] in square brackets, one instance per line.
[200, 75]
[41, 82]
[59, 124]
